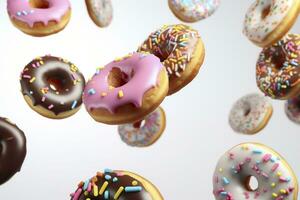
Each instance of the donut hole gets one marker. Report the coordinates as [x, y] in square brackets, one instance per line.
[251, 183]
[40, 4]
[139, 124]
[266, 11]
[118, 78]
[58, 81]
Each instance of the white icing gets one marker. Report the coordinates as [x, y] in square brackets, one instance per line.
[248, 113]
[275, 178]
[256, 28]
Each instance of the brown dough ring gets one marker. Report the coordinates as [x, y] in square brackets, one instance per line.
[117, 185]
[12, 149]
[181, 51]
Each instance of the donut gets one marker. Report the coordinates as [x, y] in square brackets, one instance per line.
[52, 87]
[116, 185]
[39, 17]
[181, 51]
[12, 149]
[278, 68]
[127, 89]
[250, 114]
[244, 162]
[267, 21]
[100, 11]
[193, 10]
[143, 135]
[292, 109]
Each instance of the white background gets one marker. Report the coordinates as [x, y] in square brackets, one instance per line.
[63, 152]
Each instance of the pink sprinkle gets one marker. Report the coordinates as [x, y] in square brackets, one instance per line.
[267, 157]
[120, 174]
[265, 175]
[275, 166]
[50, 107]
[256, 195]
[27, 76]
[265, 190]
[89, 187]
[248, 159]
[246, 195]
[43, 99]
[282, 179]
[231, 156]
[77, 194]
[291, 189]
[33, 65]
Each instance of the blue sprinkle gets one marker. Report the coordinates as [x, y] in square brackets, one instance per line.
[273, 159]
[74, 104]
[257, 151]
[107, 177]
[133, 189]
[115, 179]
[258, 162]
[224, 194]
[225, 181]
[106, 194]
[91, 91]
[86, 184]
[108, 171]
[19, 13]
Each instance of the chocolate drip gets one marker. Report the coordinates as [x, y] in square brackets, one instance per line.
[12, 149]
[53, 83]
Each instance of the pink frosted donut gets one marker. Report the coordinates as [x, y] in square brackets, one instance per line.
[127, 89]
[39, 17]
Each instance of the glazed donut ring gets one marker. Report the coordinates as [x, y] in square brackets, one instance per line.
[12, 149]
[52, 87]
[117, 185]
[250, 114]
[127, 89]
[39, 17]
[234, 170]
[278, 68]
[181, 51]
[100, 11]
[267, 21]
[139, 135]
[193, 10]
[292, 109]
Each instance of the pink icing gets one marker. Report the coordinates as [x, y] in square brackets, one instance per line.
[22, 11]
[145, 67]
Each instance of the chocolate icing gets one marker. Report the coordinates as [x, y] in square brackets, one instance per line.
[53, 83]
[114, 183]
[12, 149]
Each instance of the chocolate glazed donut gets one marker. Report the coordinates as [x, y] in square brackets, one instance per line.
[12, 149]
[52, 87]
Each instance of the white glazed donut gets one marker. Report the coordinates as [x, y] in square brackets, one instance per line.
[100, 11]
[149, 133]
[231, 179]
[250, 114]
[193, 10]
[267, 21]
[292, 109]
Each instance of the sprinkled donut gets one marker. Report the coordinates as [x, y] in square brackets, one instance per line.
[12, 149]
[278, 68]
[268, 21]
[116, 185]
[233, 173]
[142, 136]
[193, 10]
[250, 114]
[100, 11]
[181, 51]
[292, 109]
[39, 17]
[52, 87]
[127, 89]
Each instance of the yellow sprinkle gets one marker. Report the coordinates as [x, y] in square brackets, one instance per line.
[88, 199]
[101, 67]
[104, 186]
[86, 193]
[221, 170]
[279, 173]
[245, 147]
[111, 87]
[42, 62]
[274, 195]
[120, 94]
[283, 191]
[32, 80]
[134, 183]
[118, 193]
[103, 94]
[95, 190]
[273, 184]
